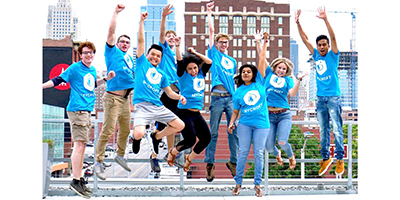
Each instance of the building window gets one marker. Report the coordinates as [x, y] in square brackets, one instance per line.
[194, 41]
[280, 54]
[253, 54]
[249, 42]
[194, 19]
[248, 53]
[234, 42]
[280, 31]
[280, 43]
[223, 24]
[280, 20]
[265, 24]
[237, 25]
[239, 42]
[194, 30]
[234, 53]
[239, 53]
[251, 25]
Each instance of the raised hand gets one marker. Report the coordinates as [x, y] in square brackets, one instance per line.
[321, 13]
[143, 15]
[167, 10]
[210, 6]
[258, 36]
[177, 41]
[119, 8]
[297, 16]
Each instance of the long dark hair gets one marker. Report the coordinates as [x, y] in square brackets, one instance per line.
[238, 78]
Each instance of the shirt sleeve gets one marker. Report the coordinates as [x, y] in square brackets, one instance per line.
[290, 82]
[236, 102]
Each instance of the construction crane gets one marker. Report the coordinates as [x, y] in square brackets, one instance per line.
[353, 61]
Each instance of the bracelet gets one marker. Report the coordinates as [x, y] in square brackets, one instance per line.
[104, 79]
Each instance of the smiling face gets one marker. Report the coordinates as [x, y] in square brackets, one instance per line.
[170, 37]
[247, 75]
[323, 47]
[192, 69]
[222, 45]
[154, 56]
[87, 56]
[281, 69]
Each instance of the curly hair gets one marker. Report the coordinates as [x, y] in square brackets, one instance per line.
[87, 44]
[238, 77]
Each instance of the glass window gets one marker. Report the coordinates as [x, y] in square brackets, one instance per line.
[265, 24]
[280, 20]
[223, 24]
[194, 18]
[194, 41]
[194, 30]
[251, 25]
[280, 31]
[280, 43]
[237, 25]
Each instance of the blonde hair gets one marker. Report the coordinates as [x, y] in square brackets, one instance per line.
[286, 61]
[220, 35]
[170, 31]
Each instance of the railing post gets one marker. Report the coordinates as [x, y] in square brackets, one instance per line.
[96, 134]
[266, 166]
[350, 156]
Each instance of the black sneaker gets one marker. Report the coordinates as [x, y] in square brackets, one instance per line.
[155, 142]
[136, 146]
[84, 182]
[76, 186]
[155, 167]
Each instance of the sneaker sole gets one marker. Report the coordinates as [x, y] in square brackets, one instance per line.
[77, 192]
[323, 172]
[124, 167]
[99, 176]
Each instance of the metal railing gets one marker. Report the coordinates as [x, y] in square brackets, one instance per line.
[185, 183]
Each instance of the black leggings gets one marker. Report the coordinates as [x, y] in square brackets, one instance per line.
[195, 125]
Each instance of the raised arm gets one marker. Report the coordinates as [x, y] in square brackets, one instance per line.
[258, 37]
[111, 38]
[303, 35]
[140, 49]
[166, 11]
[322, 15]
[262, 63]
[293, 91]
[210, 6]
[178, 52]
[204, 58]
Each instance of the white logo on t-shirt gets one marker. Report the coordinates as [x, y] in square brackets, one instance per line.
[226, 63]
[153, 76]
[276, 81]
[88, 82]
[128, 61]
[321, 66]
[198, 84]
[251, 97]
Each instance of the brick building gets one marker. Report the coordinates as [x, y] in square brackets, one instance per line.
[240, 20]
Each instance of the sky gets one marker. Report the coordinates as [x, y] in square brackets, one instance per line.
[95, 22]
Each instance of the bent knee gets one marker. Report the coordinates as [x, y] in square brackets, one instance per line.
[281, 143]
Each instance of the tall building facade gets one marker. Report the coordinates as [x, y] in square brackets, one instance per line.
[153, 20]
[61, 21]
[294, 57]
[349, 94]
[239, 19]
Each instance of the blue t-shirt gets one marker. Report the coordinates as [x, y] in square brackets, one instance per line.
[122, 64]
[149, 81]
[82, 81]
[168, 64]
[192, 90]
[222, 70]
[326, 68]
[277, 89]
[251, 100]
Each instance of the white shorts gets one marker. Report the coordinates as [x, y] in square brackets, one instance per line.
[146, 112]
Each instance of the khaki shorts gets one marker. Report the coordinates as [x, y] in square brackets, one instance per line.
[80, 125]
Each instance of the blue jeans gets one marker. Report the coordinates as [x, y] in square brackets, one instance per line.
[330, 108]
[281, 124]
[217, 107]
[246, 135]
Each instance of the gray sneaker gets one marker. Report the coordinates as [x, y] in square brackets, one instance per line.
[99, 170]
[122, 163]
